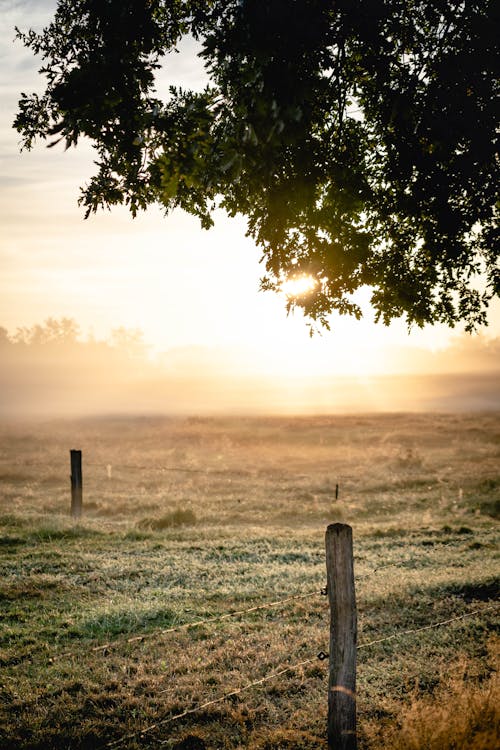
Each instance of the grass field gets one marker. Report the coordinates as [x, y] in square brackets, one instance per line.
[189, 519]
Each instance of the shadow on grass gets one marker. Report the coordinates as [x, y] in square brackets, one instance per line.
[33, 534]
[480, 592]
[55, 534]
[11, 541]
[417, 607]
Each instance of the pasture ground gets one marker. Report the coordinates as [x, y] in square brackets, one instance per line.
[188, 519]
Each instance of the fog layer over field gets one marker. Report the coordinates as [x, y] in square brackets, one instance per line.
[49, 370]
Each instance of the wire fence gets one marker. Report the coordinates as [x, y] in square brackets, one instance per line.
[112, 470]
[281, 670]
[111, 645]
[322, 656]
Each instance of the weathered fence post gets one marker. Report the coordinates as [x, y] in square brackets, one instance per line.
[343, 632]
[76, 483]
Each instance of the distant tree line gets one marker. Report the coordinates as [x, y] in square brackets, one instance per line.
[52, 368]
[59, 334]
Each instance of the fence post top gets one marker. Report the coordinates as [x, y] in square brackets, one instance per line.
[338, 528]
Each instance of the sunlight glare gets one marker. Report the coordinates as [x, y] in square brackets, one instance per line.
[298, 286]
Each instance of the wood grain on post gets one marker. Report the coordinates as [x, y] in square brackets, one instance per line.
[343, 633]
[76, 483]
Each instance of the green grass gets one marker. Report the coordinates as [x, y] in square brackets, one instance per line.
[203, 517]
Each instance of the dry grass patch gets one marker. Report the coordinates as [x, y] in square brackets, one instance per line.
[463, 713]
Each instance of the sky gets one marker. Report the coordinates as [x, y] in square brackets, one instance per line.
[187, 289]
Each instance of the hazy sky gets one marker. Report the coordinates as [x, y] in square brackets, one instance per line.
[183, 286]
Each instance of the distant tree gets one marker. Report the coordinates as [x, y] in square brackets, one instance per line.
[4, 336]
[358, 137]
[52, 331]
[129, 341]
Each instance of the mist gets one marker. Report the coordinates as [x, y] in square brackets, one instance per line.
[49, 370]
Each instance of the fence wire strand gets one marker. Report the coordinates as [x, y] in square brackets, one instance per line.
[186, 626]
[213, 702]
[428, 627]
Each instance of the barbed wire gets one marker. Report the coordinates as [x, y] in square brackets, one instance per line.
[160, 469]
[415, 558]
[429, 627]
[105, 647]
[322, 656]
[207, 470]
[216, 618]
[63, 467]
[213, 702]
[132, 467]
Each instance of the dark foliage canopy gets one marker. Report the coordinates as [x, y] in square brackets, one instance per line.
[358, 137]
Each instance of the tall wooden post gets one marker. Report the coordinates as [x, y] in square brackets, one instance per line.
[343, 633]
[76, 483]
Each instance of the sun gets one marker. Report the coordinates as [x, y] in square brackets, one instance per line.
[298, 286]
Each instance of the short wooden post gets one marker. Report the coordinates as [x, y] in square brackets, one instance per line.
[76, 483]
[336, 492]
[343, 633]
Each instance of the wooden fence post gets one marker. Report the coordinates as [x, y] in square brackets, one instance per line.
[343, 633]
[76, 483]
